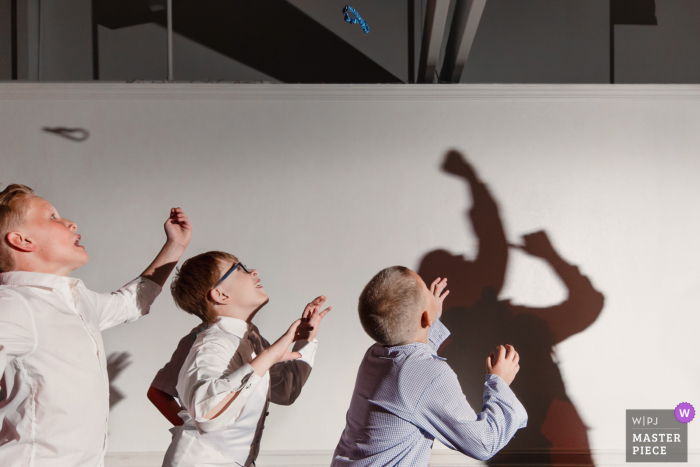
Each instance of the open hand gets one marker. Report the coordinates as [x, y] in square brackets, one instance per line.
[311, 319]
[505, 365]
[436, 289]
[178, 228]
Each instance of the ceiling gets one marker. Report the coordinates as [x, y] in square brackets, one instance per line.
[308, 41]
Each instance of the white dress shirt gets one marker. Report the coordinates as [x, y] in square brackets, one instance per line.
[217, 365]
[54, 383]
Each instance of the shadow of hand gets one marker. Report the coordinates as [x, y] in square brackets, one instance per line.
[116, 363]
[456, 164]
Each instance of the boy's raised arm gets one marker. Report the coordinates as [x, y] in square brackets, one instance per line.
[178, 230]
[135, 298]
[438, 333]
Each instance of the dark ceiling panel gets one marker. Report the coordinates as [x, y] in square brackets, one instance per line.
[272, 36]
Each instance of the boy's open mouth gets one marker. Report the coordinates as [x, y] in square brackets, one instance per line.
[77, 242]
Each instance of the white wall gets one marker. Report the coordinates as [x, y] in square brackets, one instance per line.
[319, 187]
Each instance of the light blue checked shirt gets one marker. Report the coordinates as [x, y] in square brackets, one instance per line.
[406, 396]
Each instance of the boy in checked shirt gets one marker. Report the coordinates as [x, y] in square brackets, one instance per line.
[406, 396]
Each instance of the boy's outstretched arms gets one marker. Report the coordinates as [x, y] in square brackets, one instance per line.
[178, 230]
[234, 401]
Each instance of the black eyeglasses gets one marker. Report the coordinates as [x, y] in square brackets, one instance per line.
[233, 268]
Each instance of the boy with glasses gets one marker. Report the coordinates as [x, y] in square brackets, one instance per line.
[232, 373]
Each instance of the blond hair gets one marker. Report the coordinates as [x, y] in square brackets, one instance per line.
[193, 281]
[13, 207]
[390, 306]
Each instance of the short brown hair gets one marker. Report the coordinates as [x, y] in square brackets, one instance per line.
[390, 305]
[194, 280]
[13, 207]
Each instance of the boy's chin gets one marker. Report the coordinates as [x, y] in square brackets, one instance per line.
[84, 258]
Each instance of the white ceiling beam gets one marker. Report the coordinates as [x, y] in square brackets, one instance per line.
[465, 22]
[433, 34]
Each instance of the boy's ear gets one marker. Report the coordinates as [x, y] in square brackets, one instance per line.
[214, 295]
[19, 242]
[425, 320]
[218, 296]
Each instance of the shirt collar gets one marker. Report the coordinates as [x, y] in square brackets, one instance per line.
[234, 326]
[37, 279]
[406, 349]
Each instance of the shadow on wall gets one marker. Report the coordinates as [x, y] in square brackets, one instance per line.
[272, 36]
[116, 363]
[479, 322]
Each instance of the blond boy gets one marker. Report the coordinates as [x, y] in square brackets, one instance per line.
[54, 381]
[406, 395]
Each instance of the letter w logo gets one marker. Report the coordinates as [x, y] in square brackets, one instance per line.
[685, 413]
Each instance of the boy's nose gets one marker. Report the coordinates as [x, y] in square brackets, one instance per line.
[72, 225]
[254, 272]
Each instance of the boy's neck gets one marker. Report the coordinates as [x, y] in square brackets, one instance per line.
[422, 339]
[422, 336]
[43, 269]
[231, 312]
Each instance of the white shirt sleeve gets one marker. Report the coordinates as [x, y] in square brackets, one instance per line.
[208, 377]
[126, 304]
[16, 329]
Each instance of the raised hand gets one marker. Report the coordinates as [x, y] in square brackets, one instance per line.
[311, 319]
[436, 288]
[505, 365]
[178, 227]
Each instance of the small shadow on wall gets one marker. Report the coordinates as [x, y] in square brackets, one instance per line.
[479, 321]
[116, 363]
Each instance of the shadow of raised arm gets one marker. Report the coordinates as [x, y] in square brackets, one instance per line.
[470, 280]
[583, 304]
